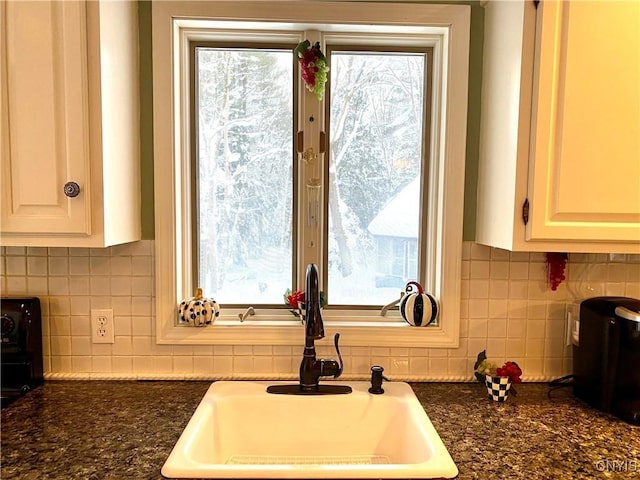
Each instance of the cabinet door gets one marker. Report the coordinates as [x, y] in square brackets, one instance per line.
[44, 117]
[585, 144]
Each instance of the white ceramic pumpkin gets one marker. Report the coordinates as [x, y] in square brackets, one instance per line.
[198, 311]
[418, 308]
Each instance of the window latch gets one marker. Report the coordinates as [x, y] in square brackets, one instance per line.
[249, 312]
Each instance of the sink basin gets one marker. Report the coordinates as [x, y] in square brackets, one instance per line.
[241, 431]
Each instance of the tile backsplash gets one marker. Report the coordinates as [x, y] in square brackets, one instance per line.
[507, 308]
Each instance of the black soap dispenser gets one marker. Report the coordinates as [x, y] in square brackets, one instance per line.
[376, 380]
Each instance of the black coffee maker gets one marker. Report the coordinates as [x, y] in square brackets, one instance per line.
[606, 360]
[21, 347]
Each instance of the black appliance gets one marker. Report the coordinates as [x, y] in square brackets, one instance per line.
[21, 347]
[606, 360]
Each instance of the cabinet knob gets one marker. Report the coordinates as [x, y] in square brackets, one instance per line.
[71, 189]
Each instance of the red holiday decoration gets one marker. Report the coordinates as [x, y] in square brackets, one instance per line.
[556, 263]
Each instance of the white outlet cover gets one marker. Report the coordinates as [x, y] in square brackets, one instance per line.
[102, 326]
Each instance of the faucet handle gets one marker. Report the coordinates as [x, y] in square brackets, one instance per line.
[336, 338]
[332, 368]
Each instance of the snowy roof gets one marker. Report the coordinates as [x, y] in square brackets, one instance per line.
[399, 217]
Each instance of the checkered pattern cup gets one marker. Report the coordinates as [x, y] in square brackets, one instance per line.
[498, 387]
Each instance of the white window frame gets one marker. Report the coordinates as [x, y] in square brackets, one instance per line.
[443, 27]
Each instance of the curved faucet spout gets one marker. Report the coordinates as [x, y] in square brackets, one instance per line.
[313, 317]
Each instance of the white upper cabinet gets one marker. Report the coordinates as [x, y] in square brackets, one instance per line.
[70, 123]
[560, 127]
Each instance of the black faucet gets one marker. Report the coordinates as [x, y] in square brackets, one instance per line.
[311, 368]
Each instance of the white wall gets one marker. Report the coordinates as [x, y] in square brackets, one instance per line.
[507, 308]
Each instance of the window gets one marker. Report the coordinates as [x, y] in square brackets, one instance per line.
[243, 158]
[256, 178]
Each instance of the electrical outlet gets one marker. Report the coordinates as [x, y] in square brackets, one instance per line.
[102, 326]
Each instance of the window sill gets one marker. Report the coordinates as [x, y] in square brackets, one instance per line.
[291, 332]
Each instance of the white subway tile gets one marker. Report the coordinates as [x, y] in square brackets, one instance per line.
[497, 328]
[519, 256]
[282, 364]
[61, 364]
[223, 365]
[99, 266]
[518, 289]
[499, 289]
[398, 366]
[532, 367]
[37, 286]
[60, 325]
[477, 328]
[518, 271]
[16, 266]
[141, 306]
[162, 364]
[141, 326]
[496, 349]
[615, 289]
[498, 308]
[143, 364]
[121, 306]
[534, 347]
[241, 364]
[79, 285]
[102, 349]
[203, 364]
[419, 366]
[480, 252]
[142, 286]
[141, 346]
[284, 350]
[438, 366]
[535, 328]
[516, 328]
[79, 266]
[81, 364]
[182, 364]
[100, 286]
[141, 266]
[121, 286]
[479, 289]
[479, 270]
[80, 305]
[478, 308]
[122, 364]
[183, 350]
[121, 266]
[515, 348]
[498, 254]
[80, 325]
[81, 346]
[101, 301]
[121, 325]
[36, 266]
[60, 345]
[58, 266]
[58, 286]
[243, 350]
[101, 364]
[397, 352]
[122, 345]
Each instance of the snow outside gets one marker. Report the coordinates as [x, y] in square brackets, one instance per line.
[245, 174]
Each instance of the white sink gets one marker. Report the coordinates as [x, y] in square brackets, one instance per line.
[240, 431]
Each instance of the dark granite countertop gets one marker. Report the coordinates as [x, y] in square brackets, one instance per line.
[125, 430]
